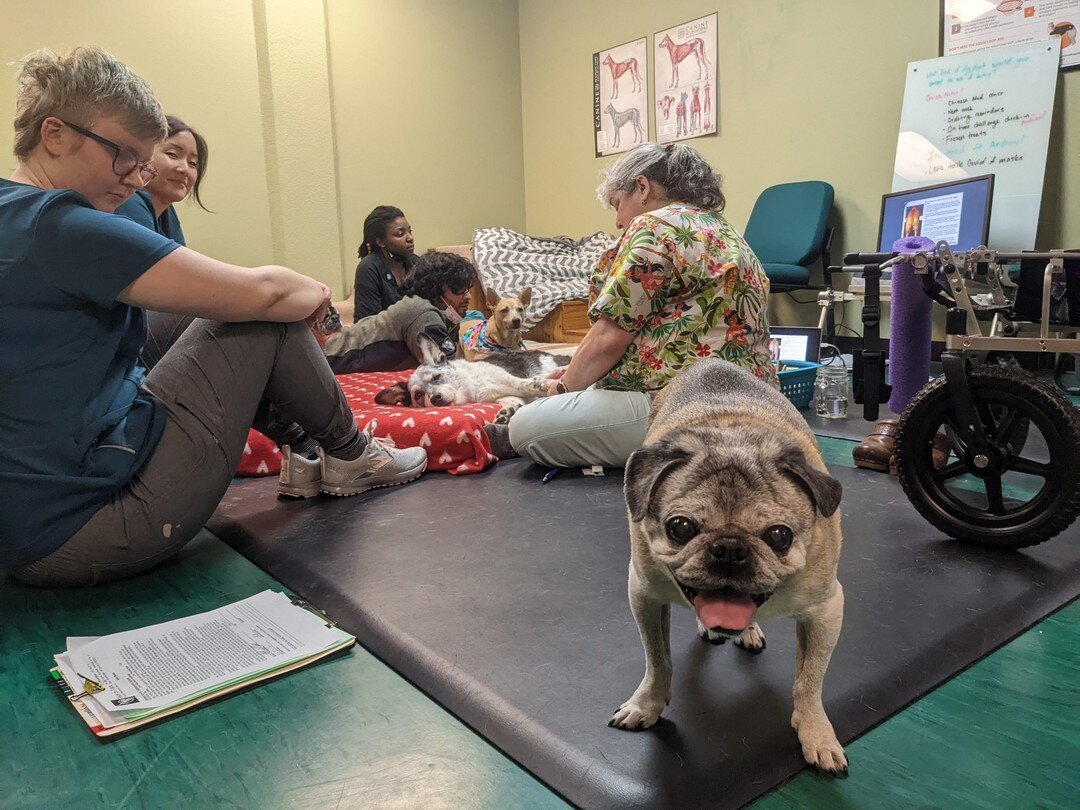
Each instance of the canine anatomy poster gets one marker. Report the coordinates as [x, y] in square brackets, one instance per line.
[620, 99]
[974, 25]
[684, 80]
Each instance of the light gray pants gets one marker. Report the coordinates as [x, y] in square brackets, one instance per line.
[211, 382]
[596, 426]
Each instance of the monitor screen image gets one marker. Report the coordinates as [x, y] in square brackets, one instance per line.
[794, 343]
[958, 212]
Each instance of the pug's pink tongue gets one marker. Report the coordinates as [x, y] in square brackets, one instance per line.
[726, 609]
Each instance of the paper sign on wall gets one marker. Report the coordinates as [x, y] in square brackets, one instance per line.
[982, 113]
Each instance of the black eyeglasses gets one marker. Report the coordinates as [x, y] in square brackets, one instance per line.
[125, 161]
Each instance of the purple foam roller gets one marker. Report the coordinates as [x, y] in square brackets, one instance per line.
[909, 327]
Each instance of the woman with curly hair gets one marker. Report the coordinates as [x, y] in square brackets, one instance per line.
[680, 285]
[436, 295]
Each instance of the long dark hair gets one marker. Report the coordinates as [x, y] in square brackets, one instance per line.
[202, 152]
[375, 226]
[434, 271]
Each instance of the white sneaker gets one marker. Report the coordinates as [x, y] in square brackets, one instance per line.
[381, 465]
[299, 476]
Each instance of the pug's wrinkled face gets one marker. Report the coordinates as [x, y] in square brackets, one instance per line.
[729, 515]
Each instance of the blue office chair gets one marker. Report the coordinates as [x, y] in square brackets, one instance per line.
[788, 232]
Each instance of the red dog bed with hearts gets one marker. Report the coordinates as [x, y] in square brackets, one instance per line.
[453, 437]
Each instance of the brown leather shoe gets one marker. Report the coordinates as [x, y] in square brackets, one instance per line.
[940, 453]
[876, 449]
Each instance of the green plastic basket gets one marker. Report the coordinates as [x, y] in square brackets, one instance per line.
[797, 381]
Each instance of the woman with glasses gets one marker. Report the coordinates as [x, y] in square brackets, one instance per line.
[180, 161]
[106, 470]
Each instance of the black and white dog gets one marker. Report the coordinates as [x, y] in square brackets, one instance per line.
[510, 378]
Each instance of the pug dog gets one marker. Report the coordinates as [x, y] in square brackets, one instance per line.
[733, 514]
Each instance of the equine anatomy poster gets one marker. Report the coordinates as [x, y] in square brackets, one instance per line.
[684, 80]
[974, 25]
[620, 99]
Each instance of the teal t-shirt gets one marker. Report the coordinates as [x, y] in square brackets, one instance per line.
[140, 208]
[75, 425]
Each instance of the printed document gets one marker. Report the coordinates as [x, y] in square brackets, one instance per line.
[160, 665]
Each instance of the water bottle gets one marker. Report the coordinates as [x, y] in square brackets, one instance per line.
[831, 392]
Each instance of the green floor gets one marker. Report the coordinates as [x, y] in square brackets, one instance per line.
[351, 732]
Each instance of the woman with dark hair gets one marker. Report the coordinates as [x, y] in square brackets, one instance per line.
[435, 299]
[680, 285]
[386, 255]
[180, 161]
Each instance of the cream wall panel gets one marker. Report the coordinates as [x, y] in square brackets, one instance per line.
[427, 112]
[299, 137]
[199, 56]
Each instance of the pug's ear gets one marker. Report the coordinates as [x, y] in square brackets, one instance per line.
[525, 296]
[646, 470]
[397, 394]
[429, 350]
[823, 489]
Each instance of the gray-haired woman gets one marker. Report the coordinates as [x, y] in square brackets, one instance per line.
[680, 285]
[106, 470]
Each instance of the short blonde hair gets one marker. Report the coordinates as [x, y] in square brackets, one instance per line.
[86, 84]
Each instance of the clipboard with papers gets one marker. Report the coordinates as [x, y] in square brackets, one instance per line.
[123, 681]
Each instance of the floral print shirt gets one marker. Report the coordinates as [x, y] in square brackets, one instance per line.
[688, 286]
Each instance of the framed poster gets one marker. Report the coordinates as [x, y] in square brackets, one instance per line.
[973, 25]
[684, 80]
[620, 100]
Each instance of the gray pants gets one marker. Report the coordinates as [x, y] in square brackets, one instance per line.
[596, 426]
[212, 382]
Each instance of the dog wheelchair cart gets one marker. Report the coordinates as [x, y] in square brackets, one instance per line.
[1012, 476]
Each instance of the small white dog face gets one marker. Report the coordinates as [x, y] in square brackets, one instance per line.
[436, 382]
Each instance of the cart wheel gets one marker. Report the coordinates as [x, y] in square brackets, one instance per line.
[1025, 492]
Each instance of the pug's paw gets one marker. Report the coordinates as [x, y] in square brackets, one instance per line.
[640, 712]
[503, 416]
[752, 639]
[711, 636]
[819, 744]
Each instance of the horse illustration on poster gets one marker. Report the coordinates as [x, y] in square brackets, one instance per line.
[623, 65]
[678, 51]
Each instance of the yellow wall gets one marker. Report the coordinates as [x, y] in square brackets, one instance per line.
[427, 102]
[806, 91]
[469, 113]
[200, 59]
[315, 112]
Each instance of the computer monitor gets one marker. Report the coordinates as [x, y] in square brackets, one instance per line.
[958, 212]
[794, 343]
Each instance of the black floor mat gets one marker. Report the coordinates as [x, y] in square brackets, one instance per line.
[505, 600]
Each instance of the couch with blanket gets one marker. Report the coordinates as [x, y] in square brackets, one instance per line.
[557, 268]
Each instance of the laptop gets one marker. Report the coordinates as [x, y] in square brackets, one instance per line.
[800, 343]
[957, 211]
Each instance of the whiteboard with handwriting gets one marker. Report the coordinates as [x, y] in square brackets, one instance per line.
[986, 112]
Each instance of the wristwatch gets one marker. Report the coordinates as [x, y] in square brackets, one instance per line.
[560, 387]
